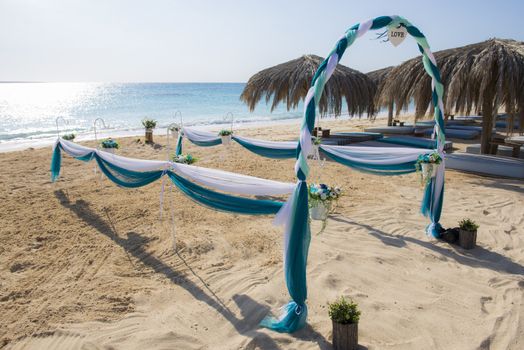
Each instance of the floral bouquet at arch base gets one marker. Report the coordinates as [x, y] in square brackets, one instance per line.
[321, 197]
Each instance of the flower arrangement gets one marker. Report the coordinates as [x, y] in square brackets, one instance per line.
[429, 158]
[321, 197]
[149, 123]
[184, 159]
[344, 311]
[69, 137]
[110, 143]
[175, 128]
[323, 193]
[468, 225]
[225, 132]
[427, 166]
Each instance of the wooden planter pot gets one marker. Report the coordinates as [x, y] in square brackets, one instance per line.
[149, 135]
[467, 239]
[345, 336]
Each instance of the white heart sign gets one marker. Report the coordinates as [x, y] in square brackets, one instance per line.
[397, 35]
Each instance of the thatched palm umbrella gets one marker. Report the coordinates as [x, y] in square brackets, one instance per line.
[378, 76]
[289, 82]
[482, 77]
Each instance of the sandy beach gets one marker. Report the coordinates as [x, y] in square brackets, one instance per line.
[85, 264]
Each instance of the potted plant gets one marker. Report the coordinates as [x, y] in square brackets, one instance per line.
[468, 233]
[69, 137]
[226, 136]
[321, 198]
[184, 159]
[149, 124]
[110, 145]
[344, 315]
[427, 165]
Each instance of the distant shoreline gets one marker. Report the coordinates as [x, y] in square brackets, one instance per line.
[20, 145]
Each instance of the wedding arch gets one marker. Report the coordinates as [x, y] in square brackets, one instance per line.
[230, 192]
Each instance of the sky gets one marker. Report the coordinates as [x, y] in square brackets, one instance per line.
[222, 40]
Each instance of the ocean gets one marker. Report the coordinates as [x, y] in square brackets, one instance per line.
[28, 111]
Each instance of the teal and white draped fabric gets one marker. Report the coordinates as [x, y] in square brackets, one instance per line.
[131, 173]
[376, 160]
[268, 149]
[201, 138]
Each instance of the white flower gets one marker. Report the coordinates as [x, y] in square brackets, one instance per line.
[337, 190]
[333, 195]
[323, 196]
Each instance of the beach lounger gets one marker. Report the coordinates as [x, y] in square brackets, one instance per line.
[358, 136]
[502, 150]
[415, 142]
[397, 130]
[486, 164]
[457, 133]
[465, 127]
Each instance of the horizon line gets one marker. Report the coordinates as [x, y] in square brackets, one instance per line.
[118, 82]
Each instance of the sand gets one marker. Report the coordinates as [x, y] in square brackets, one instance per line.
[85, 264]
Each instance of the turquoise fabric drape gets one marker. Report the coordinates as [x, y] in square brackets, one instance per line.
[206, 143]
[394, 169]
[294, 313]
[431, 209]
[56, 163]
[178, 150]
[127, 178]
[267, 152]
[132, 179]
[224, 202]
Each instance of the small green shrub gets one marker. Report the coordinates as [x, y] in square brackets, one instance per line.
[344, 311]
[110, 143]
[69, 137]
[468, 225]
[225, 132]
[149, 123]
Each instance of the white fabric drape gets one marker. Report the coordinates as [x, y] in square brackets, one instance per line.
[132, 164]
[212, 178]
[73, 149]
[269, 144]
[232, 182]
[200, 135]
[376, 155]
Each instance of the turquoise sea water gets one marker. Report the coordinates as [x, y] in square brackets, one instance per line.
[28, 111]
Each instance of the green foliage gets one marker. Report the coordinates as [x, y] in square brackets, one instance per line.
[468, 225]
[184, 159]
[69, 137]
[110, 143]
[149, 123]
[344, 311]
[317, 140]
[225, 132]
